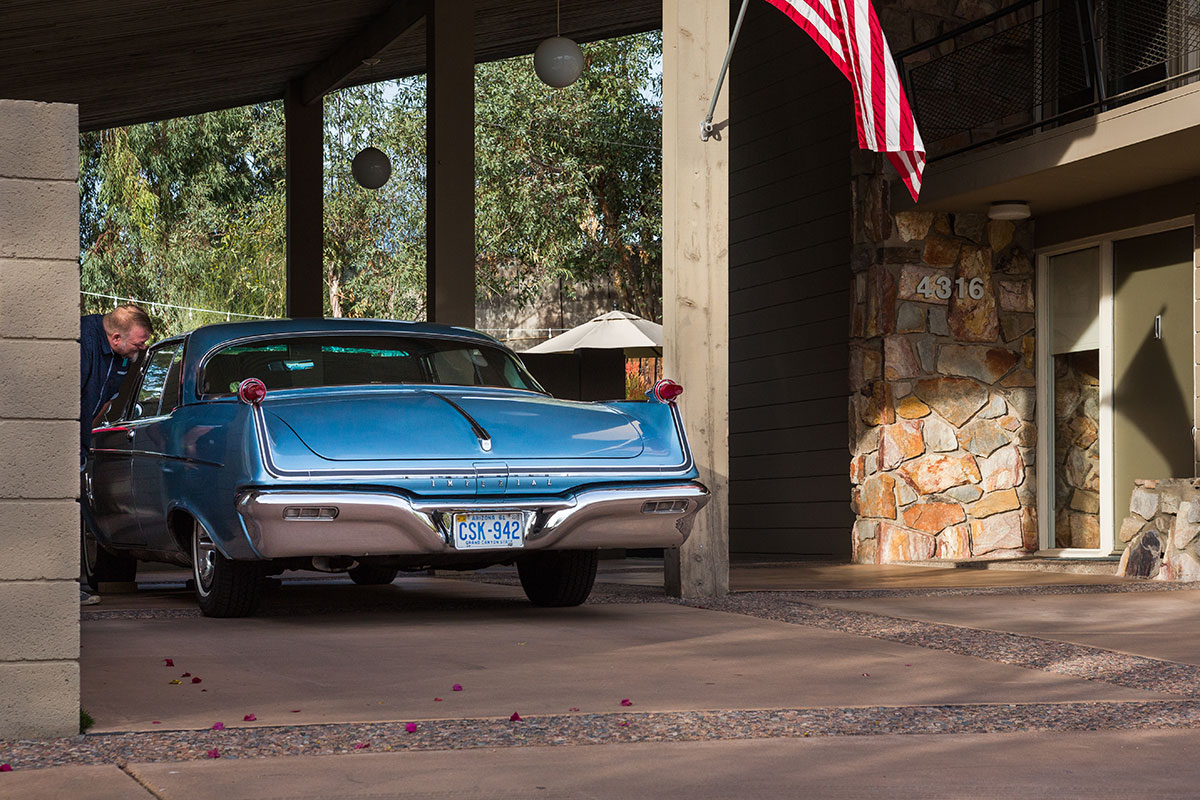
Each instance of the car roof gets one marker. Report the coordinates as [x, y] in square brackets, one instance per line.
[205, 338]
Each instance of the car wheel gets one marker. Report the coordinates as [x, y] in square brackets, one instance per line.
[373, 575]
[101, 565]
[224, 588]
[558, 578]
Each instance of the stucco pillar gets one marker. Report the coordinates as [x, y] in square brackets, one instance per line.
[696, 275]
[450, 157]
[39, 419]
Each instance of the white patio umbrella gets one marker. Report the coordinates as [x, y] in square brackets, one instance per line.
[616, 330]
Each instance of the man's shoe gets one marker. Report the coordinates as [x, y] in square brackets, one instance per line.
[88, 599]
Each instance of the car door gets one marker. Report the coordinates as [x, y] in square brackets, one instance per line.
[108, 476]
[149, 424]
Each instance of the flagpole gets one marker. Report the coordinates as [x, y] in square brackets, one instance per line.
[706, 127]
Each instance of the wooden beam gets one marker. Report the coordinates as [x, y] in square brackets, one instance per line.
[450, 164]
[372, 40]
[304, 148]
[696, 276]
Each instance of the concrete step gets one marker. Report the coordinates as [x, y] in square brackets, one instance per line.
[1105, 565]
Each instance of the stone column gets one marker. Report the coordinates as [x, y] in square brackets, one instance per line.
[39, 419]
[941, 380]
[696, 275]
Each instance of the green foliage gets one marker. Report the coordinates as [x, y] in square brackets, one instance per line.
[191, 211]
[186, 212]
[570, 180]
[85, 721]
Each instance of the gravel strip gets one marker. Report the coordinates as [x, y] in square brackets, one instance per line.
[165, 746]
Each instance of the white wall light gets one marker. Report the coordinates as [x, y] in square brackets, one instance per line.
[1009, 209]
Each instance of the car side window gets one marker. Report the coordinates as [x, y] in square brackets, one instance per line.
[170, 396]
[150, 393]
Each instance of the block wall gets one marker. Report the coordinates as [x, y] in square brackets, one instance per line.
[39, 412]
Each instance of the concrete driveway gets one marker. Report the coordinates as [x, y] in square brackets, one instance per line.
[923, 682]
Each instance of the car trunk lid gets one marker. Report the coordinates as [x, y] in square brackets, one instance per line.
[450, 423]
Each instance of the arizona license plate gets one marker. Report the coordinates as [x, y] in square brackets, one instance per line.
[489, 530]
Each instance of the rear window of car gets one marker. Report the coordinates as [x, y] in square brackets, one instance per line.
[313, 361]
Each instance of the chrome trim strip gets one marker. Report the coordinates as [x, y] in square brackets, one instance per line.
[485, 438]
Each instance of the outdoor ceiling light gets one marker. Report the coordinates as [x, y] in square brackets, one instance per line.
[558, 61]
[1009, 210]
[371, 168]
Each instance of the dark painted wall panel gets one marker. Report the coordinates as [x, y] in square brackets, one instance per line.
[791, 134]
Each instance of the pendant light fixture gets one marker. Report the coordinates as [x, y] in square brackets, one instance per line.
[558, 61]
[371, 167]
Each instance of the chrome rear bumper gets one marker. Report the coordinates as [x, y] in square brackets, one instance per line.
[375, 524]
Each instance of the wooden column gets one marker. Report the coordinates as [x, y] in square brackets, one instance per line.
[450, 157]
[305, 154]
[696, 275]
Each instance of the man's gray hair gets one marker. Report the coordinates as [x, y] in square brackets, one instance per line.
[124, 319]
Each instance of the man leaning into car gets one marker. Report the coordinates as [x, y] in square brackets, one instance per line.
[108, 344]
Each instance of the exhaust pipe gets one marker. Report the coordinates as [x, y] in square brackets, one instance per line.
[333, 563]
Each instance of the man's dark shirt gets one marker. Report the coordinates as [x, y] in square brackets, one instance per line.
[100, 374]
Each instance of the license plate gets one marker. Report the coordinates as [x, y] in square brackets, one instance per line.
[489, 530]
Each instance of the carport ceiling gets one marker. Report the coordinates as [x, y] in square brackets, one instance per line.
[130, 61]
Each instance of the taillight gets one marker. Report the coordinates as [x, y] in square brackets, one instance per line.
[666, 390]
[252, 391]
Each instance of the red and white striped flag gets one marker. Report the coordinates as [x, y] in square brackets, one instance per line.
[849, 33]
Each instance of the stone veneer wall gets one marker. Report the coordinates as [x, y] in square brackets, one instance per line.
[39, 420]
[942, 390]
[1162, 531]
[1077, 449]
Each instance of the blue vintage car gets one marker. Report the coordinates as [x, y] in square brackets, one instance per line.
[369, 447]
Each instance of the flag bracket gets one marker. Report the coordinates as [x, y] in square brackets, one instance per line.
[706, 127]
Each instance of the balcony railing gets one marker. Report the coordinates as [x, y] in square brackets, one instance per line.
[1037, 64]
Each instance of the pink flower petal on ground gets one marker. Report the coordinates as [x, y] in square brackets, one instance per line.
[249, 718]
[626, 702]
[362, 745]
[156, 722]
[214, 753]
[195, 680]
[5, 767]
[515, 717]
[186, 675]
[437, 699]
[624, 724]
[572, 708]
[866, 674]
[411, 727]
[167, 662]
[456, 687]
[218, 726]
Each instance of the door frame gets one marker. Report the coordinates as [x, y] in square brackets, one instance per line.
[1044, 377]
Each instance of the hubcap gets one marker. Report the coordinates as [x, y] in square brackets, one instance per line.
[204, 556]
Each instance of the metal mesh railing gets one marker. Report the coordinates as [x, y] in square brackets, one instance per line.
[1033, 65]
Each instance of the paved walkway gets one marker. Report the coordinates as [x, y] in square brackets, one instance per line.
[817, 680]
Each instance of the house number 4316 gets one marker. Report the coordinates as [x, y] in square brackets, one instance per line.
[942, 287]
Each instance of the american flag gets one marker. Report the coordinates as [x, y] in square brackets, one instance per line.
[849, 33]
